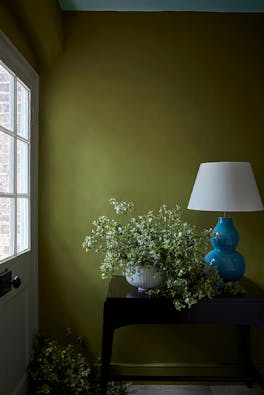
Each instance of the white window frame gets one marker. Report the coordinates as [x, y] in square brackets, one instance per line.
[15, 194]
[20, 68]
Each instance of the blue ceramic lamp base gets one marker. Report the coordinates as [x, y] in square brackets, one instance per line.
[230, 264]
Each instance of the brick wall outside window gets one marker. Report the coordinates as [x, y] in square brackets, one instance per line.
[4, 166]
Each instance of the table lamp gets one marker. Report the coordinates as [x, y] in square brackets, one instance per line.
[225, 187]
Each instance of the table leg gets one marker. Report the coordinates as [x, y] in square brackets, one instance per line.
[108, 332]
[245, 338]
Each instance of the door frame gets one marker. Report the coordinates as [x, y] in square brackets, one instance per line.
[13, 58]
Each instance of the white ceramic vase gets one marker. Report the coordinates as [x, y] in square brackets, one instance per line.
[144, 278]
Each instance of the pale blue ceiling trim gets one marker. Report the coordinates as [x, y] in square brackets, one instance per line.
[247, 6]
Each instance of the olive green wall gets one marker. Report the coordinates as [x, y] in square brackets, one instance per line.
[15, 33]
[41, 22]
[133, 105]
[129, 107]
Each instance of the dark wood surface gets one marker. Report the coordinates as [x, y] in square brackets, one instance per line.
[124, 305]
[119, 288]
[128, 306]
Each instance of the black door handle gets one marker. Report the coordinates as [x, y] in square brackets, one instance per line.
[16, 282]
[6, 282]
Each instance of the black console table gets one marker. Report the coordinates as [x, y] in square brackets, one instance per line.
[125, 306]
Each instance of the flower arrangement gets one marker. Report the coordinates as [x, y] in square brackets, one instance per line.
[158, 238]
[163, 240]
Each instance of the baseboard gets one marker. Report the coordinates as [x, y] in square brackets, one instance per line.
[158, 369]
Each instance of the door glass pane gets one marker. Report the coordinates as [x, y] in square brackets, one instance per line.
[6, 163]
[22, 224]
[6, 99]
[15, 106]
[22, 167]
[7, 227]
[22, 110]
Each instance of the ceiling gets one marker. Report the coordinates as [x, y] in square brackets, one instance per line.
[164, 5]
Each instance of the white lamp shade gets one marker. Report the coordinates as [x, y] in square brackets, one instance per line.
[226, 187]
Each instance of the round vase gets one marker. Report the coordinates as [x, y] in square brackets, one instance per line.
[230, 263]
[144, 278]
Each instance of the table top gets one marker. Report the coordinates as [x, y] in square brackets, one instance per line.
[124, 305]
[120, 289]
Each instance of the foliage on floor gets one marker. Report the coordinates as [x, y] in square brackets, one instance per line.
[63, 368]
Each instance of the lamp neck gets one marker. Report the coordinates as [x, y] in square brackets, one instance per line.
[225, 220]
[225, 215]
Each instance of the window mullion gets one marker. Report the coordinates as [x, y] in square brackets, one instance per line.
[20, 138]
[15, 162]
[6, 131]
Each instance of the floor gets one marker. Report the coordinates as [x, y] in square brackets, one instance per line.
[196, 390]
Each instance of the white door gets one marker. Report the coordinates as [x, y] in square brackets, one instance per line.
[18, 215]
